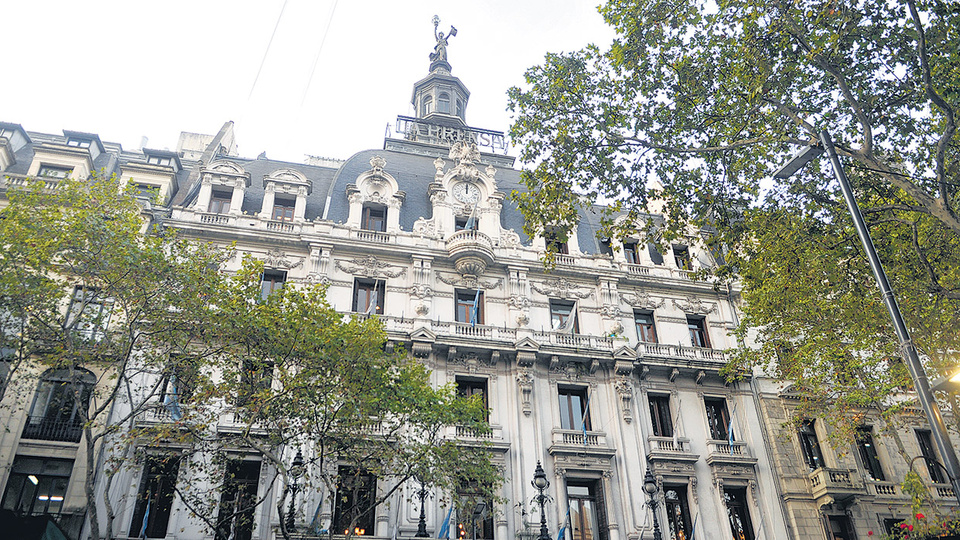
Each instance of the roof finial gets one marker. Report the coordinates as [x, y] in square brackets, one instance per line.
[438, 57]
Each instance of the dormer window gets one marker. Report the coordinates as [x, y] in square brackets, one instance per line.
[681, 255]
[443, 103]
[54, 171]
[374, 218]
[220, 202]
[427, 106]
[630, 252]
[158, 160]
[283, 209]
[79, 143]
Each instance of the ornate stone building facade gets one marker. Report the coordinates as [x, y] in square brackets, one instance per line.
[602, 368]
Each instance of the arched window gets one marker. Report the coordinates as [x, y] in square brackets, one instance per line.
[59, 408]
[460, 108]
[443, 103]
[426, 106]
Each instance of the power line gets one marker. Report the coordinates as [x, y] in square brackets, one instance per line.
[267, 50]
[316, 59]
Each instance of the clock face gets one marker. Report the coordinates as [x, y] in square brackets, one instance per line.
[467, 193]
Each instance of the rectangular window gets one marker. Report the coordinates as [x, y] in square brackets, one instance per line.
[147, 191]
[563, 316]
[368, 296]
[270, 282]
[891, 525]
[156, 490]
[810, 444]
[180, 380]
[465, 306]
[646, 330]
[255, 378]
[630, 252]
[934, 468]
[557, 247]
[678, 512]
[374, 219]
[698, 332]
[89, 312]
[463, 221]
[283, 209]
[587, 513]
[53, 171]
[238, 500]
[718, 418]
[162, 161]
[79, 143]
[354, 510]
[574, 413]
[840, 528]
[868, 453]
[681, 256]
[661, 416]
[37, 486]
[738, 514]
[655, 254]
[220, 202]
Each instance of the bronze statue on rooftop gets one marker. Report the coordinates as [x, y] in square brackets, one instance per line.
[439, 54]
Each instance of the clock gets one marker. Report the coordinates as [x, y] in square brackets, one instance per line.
[466, 193]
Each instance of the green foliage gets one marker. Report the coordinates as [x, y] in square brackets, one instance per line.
[927, 519]
[696, 103]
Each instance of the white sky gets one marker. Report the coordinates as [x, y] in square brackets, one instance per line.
[126, 69]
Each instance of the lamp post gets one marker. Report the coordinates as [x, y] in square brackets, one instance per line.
[422, 524]
[650, 486]
[541, 483]
[296, 471]
[937, 428]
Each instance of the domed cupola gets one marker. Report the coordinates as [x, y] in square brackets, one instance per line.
[440, 97]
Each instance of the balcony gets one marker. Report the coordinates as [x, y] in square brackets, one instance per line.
[838, 484]
[944, 491]
[724, 452]
[679, 352]
[883, 489]
[579, 341]
[574, 441]
[669, 449]
[471, 251]
[372, 236]
[45, 429]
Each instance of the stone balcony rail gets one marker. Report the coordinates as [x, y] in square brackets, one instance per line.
[469, 433]
[450, 329]
[727, 452]
[19, 181]
[372, 236]
[680, 351]
[884, 489]
[579, 341]
[944, 491]
[471, 238]
[836, 483]
[668, 444]
[576, 437]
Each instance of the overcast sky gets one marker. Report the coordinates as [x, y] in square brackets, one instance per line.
[126, 69]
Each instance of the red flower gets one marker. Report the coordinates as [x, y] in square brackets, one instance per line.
[910, 528]
[903, 525]
[869, 533]
[919, 515]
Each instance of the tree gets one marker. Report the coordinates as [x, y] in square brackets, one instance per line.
[299, 376]
[89, 298]
[696, 103]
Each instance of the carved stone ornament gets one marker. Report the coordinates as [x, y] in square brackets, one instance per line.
[509, 238]
[377, 164]
[465, 153]
[641, 300]
[317, 279]
[560, 287]
[421, 291]
[422, 309]
[625, 391]
[469, 281]
[695, 306]
[275, 258]
[425, 227]
[523, 319]
[439, 164]
[472, 362]
[610, 311]
[525, 383]
[519, 302]
[371, 267]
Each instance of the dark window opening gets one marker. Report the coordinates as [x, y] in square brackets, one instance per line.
[678, 512]
[255, 379]
[738, 513]
[718, 419]
[646, 330]
[588, 519]
[469, 307]
[443, 103]
[891, 525]
[180, 381]
[681, 256]
[934, 468]
[698, 332]
[368, 296]
[283, 209]
[220, 202]
[574, 412]
[868, 453]
[841, 528]
[271, 282]
[655, 256]
[557, 246]
[374, 219]
[37, 486]
[563, 316]
[353, 509]
[630, 252]
[59, 408]
[463, 221]
[156, 490]
[661, 416]
[460, 108]
[53, 171]
[810, 444]
[238, 500]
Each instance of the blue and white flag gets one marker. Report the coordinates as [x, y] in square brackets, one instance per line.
[730, 426]
[475, 310]
[563, 529]
[445, 527]
[146, 517]
[171, 401]
[583, 419]
[473, 216]
[372, 301]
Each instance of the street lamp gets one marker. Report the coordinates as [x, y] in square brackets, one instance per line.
[422, 524]
[541, 483]
[946, 383]
[650, 486]
[296, 471]
[937, 428]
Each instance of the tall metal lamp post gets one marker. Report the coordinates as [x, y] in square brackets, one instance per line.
[422, 524]
[650, 486]
[296, 471]
[937, 427]
[541, 483]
